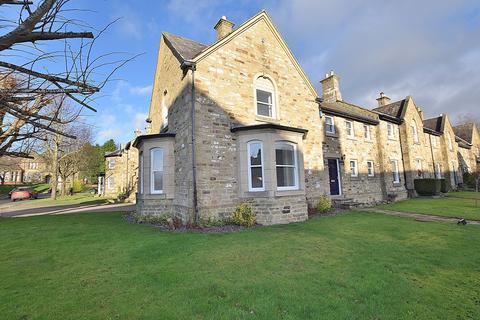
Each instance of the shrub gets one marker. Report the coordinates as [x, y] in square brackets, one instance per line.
[244, 216]
[77, 186]
[427, 187]
[445, 185]
[469, 179]
[324, 204]
[211, 222]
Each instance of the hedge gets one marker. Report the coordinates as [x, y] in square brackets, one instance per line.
[427, 187]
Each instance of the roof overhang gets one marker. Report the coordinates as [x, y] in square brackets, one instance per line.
[348, 116]
[389, 118]
[139, 139]
[265, 126]
[431, 131]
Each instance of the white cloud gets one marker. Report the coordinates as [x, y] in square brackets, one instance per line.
[141, 91]
[110, 133]
[428, 49]
[130, 24]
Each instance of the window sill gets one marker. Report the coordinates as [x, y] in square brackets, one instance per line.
[266, 119]
[153, 196]
[351, 138]
[332, 135]
[256, 194]
[284, 193]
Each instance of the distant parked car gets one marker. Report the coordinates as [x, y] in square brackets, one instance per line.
[21, 193]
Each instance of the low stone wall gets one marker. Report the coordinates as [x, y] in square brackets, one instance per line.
[279, 210]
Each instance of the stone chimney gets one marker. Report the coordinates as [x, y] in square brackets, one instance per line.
[331, 87]
[223, 28]
[383, 100]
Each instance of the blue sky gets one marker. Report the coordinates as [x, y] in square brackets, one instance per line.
[427, 49]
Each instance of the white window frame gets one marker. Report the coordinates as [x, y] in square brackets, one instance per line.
[370, 174]
[140, 178]
[366, 132]
[438, 171]
[152, 171]
[390, 131]
[450, 143]
[110, 165]
[332, 125]
[295, 166]
[353, 174]
[396, 173]
[350, 134]
[413, 126]
[419, 166]
[272, 91]
[164, 112]
[250, 187]
[434, 141]
[110, 185]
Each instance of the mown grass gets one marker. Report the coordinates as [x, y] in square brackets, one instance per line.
[456, 204]
[354, 266]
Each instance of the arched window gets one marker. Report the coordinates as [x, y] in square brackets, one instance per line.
[255, 166]
[414, 131]
[156, 170]
[265, 97]
[286, 165]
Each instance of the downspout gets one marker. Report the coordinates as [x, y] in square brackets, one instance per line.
[190, 65]
[403, 158]
[433, 157]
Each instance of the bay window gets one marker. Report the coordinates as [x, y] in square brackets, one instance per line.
[286, 166]
[255, 166]
[156, 170]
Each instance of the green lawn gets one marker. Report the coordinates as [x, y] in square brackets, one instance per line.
[39, 187]
[457, 205]
[78, 198]
[354, 266]
[465, 194]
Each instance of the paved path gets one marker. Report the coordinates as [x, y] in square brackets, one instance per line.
[416, 216]
[64, 209]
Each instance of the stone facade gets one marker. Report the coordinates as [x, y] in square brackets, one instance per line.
[24, 170]
[121, 174]
[212, 105]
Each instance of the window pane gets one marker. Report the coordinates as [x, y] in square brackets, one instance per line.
[285, 177]
[255, 154]
[264, 110]
[157, 160]
[257, 179]
[285, 155]
[264, 96]
[157, 180]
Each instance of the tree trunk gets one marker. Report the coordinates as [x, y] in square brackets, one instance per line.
[54, 181]
[64, 186]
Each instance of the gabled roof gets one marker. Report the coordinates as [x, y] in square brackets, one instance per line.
[462, 143]
[185, 49]
[349, 111]
[464, 131]
[394, 109]
[436, 124]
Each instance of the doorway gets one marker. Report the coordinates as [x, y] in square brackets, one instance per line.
[334, 177]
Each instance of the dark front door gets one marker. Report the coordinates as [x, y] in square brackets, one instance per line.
[333, 176]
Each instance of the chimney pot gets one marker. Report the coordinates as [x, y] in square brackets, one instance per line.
[223, 28]
[383, 100]
[331, 88]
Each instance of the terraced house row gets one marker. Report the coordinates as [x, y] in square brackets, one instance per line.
[239, 121]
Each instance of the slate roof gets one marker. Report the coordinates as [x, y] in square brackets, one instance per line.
[394, 109]
[186, 49]
[464, 131]
[349, 110]
[462, 143]
[115, 153]
[435, 124]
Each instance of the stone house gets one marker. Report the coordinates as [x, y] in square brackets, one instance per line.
[238, 121]
[121, 173]
[468, 139]
[24, 170]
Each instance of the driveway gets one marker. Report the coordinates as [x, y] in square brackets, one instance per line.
[9, 210]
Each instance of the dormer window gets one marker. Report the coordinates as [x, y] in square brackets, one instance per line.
[265, 97]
